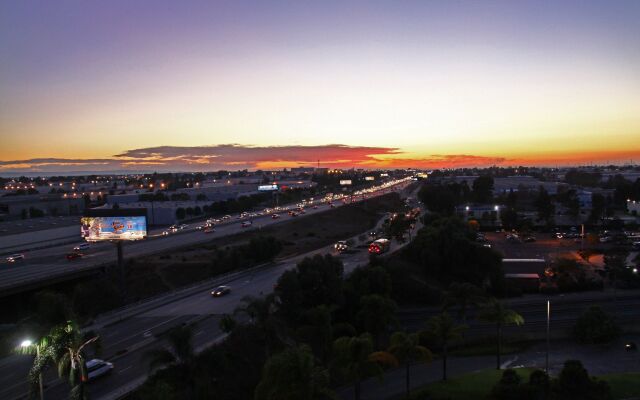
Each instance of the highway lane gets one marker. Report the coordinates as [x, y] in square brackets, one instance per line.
[48, 264]
[124, 341]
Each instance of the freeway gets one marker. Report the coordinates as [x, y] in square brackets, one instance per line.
[126, 338]
[50, 265]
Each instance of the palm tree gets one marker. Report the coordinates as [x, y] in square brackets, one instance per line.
[180, 351]
[262, 313]
[462, 295]
[495, 312]
[63, 347]
[443, 330]
[293, 375]
[355, 359]
[406, 348]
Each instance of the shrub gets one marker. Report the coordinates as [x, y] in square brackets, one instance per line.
[595, 326]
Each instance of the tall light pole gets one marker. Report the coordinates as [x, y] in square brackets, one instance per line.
[548, 325]
[25, 345]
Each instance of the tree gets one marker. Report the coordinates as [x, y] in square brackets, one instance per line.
[574, 383]
[598, 207]
[443, 330]
[355, 359]
[180, 351]
[293, 375]
[462, 295]
[406, 348]
[544, 206]
[262, 312]
[595, 326]
[317, 330]
[315, 281]
[375, 315]
[483, 189]
[495, 312]
[63, 347]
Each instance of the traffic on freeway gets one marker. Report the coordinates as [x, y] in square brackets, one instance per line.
[57, 262]
[125, 338]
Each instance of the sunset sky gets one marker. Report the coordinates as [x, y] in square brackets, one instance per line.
[205, 85]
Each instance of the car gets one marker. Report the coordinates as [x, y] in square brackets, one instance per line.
[15, 257]
[220, 291]
[209, 230]
[97, 368]
[630, 346]
[246, 224]
[315, 207]
[165, 233]
[275, 216]
[74, 255]
[81, 246]
[341, 246]
[183, 226]
[529, 239]
[293, 214]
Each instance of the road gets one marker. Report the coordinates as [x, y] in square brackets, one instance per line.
[597, 360]
[126, 340]
[50, 265]
[565, 310]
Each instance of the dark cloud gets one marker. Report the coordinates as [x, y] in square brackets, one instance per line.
[235, 156]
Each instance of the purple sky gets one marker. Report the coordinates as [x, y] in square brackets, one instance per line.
[90, 79]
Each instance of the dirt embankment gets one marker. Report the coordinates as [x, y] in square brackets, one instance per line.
[165, 271]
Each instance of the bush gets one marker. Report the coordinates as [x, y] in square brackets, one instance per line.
[595, 326]
[574, 383]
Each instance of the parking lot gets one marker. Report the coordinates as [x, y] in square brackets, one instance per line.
[544, 247]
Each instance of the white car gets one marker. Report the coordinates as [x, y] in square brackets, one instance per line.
[97, 368]
[15, 257]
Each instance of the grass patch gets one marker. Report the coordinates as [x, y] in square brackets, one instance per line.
[478, 385]
[472, 386]
[623, 385]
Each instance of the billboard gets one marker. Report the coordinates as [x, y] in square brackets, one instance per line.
[369, 178]
[384, 174]
[126, 224]
[267, 188]
[345, 182]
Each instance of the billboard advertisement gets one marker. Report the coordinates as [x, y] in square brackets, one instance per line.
[345, 182]
[369, 178]
[267, 188]
[114, 228]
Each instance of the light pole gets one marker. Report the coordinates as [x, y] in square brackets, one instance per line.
[25, 345]
[548, 323]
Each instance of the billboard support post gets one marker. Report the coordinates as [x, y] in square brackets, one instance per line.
[123, 278]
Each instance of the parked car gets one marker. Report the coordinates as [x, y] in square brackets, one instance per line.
[97, 368]
[220, 291]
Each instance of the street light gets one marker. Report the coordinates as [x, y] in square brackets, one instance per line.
[25, 345]
[548, 323]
